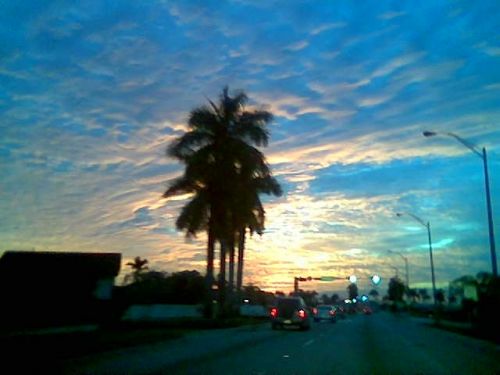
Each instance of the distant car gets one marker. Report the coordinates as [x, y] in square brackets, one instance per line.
[340, 311]
[325, 312]
[289, 312]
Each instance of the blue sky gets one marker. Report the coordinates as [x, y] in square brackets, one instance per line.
[92, 94]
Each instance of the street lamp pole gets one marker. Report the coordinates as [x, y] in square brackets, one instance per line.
[406, 267]
[490, 215]
[484, 157]
[428, 226]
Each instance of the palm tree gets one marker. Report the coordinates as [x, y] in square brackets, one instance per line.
[138, 266]
[221, 166]
[250, 213]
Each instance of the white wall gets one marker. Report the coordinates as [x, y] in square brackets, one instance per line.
[161, 312]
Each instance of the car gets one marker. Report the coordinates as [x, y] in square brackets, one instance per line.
[325, 312]
[290, 312]
[340, 311]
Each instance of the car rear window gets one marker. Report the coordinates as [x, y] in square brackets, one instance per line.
[288, 303]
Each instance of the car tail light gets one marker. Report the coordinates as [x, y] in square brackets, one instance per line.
[302, 314]
[333, 312]
[315, 311]
[274, 312]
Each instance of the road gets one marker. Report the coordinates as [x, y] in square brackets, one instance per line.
[378, 344]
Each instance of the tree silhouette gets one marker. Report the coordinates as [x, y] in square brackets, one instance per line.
[335, 298]
[423, 294]
[413, 294]
[440, 296]
[325, 299]
[352, 290]
[373, 293]
[225, 173]
[138, 266]
[396, 289]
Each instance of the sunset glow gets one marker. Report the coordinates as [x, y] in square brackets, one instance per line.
[93, 94]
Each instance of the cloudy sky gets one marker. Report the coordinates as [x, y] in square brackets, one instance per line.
[92, 93]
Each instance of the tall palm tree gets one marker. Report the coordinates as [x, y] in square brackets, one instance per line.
[250, 212]
[218, 150]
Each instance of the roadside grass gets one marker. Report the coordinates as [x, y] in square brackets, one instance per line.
[60, 346]
[482, 333]
[459, 325]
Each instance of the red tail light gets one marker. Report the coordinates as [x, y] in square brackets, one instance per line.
[333, 312]
[302, 314]
[274, 312]
[315, 311]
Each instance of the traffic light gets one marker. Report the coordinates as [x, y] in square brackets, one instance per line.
[364, 298]
[376, 279]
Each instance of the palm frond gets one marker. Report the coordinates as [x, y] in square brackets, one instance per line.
[232, 106]
[203, 118]
[181, 185]
[267, 185]
[183, 147]
[194, 215]
[252, 126]
[252, 161]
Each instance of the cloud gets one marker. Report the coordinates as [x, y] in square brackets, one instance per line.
[297, 46]
[328, 26]
[494, 86]
[92, 95]
[488, 49]
[373, 101]
[391, 15]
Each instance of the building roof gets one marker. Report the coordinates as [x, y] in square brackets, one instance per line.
[100, 265]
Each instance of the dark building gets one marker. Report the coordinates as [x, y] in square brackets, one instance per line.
[40, 288]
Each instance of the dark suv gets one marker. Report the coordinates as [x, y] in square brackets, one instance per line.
[290, 311]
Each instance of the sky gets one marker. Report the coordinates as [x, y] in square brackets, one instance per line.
[93, 92]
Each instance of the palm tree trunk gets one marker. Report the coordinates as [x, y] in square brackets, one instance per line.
[209, 277]
[222, 275]
[210, 255]
[231, 265]
[241, 251]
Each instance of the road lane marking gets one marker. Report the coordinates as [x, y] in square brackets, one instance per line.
[308, 343]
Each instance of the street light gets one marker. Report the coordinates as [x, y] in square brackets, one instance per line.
[482, 154]
[406, 266]
[428, 226]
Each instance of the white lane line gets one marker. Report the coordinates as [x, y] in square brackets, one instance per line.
[307, 343]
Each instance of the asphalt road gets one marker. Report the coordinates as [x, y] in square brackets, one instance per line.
[378, 344]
